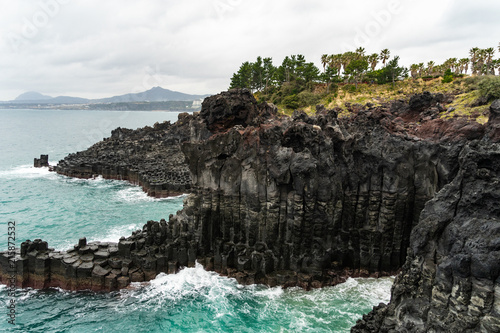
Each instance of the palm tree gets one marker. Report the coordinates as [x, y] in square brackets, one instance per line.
[331, 61]
[453, 63]
[495, 64]
[489, 52]
[473, 58]
[430, 68]
[464, 65]
[373, 60]
[384, 55]
[346, 59]
[481, 59]
[439, 69]
[324, 61]
[420, 69]
[414, 70]
[450, 64]
[335, 61]
[360, 52]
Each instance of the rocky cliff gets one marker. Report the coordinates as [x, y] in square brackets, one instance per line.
[306, 201]
[450, 281]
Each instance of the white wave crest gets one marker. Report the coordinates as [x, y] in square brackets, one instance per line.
[27, 172]
[136, 194]
[98, 181]
[114, 234]
[376, 290]
[187, 285]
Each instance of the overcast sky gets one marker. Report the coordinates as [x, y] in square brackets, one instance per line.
[101, 48]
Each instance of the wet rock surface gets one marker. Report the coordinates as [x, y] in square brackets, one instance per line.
[308, 201]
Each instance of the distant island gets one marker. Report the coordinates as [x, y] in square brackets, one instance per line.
[153, 99]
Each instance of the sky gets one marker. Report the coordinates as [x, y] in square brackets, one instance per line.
[102, 48]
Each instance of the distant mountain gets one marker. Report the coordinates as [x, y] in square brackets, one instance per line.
[32, 96]
[156, 94]
[37, 98]
[68, 100]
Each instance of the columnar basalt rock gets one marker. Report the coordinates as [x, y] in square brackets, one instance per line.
[450, 281]
[43, 161]
[309, 197]
[307, 201]
[98, 266]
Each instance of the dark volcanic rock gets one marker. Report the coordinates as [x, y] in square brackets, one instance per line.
[419, 102]
[310, 197]
[43, 161]
[234, 107]
[450, 280]
[149, 157]
[308, 201]
[493, 125]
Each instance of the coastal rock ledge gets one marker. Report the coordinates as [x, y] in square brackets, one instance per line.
[305, 201]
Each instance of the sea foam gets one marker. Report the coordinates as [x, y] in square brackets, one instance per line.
[27, 172]
[136, 194]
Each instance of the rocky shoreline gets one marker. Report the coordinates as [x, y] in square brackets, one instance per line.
[306, 201]
[149, 157]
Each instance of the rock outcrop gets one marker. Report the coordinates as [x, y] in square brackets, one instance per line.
[450, 281]
[297, 201]
[149, 157]
[98, 266]
[43, 161]
[308, 201]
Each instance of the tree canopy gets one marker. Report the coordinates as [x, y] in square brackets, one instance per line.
[295, 79]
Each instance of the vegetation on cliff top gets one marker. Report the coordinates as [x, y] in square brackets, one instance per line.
[353, 77]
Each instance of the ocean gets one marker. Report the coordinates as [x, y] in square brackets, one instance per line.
[61, 210]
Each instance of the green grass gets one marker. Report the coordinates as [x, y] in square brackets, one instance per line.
[376, 94]
[463, 109]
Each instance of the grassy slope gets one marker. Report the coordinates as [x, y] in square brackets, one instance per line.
[378, 94]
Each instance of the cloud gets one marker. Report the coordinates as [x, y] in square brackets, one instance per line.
[93, 48]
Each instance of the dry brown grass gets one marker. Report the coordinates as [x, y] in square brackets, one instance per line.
[402, 90]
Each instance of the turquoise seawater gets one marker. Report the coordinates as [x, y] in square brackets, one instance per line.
[60, 210]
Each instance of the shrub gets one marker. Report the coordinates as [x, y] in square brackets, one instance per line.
[472, 82]
[489, 87]
[291, 102]
[307, 98]
[448, 76]
[350, 88]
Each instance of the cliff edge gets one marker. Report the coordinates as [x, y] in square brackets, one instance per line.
[450, 280]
